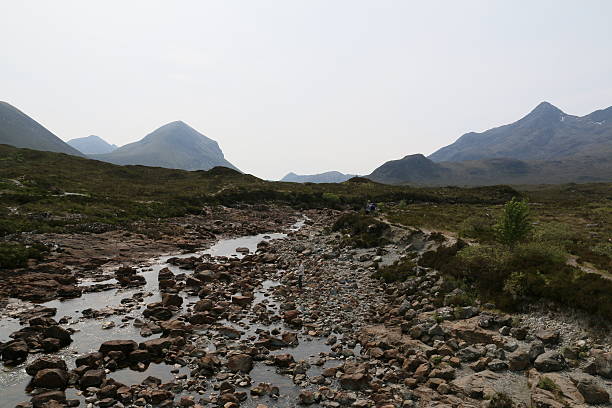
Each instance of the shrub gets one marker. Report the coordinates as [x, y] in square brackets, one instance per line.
[364, 231]
[501, 400]
[15, 255]
[477, 227]
[513, 225]
[399, 271]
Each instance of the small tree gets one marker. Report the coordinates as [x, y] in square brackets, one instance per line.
[513, 226]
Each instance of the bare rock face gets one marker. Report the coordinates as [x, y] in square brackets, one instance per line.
[592, 392]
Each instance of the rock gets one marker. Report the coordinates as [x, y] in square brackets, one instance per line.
[171, 299]
[51, 378]
[45, 362]
[603, 363]
[307, 398]
[240, 362]
[125, 346]
[535, 350]
[518, 360]
[40, 399]
[592, 392]
[51, 345]
[550, 361]
[92, 378]
[156, 347]
[15, 352]
[354, 382]
[549, 337]
[283, 360]
[92, 360]
[157, 312]
[58, 332]
[497, 365]
[242, 301]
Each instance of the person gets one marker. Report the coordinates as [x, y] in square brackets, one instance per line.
[300, 275]
[370, 207]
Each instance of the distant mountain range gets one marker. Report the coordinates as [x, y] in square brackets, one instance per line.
[546, 133]
[546, 146]
[175, 145]
[19, 130]
[92, 145]
[327, 177]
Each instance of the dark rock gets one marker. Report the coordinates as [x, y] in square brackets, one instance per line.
[240, 362]
[92, 378]
[50, 378]
[550, 361]
[124, 346]
[45, 362]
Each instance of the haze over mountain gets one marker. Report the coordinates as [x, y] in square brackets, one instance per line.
[19, 130]
[175, 145]
[419, 170]
[327, 177]
[92, 145]
[546, 133]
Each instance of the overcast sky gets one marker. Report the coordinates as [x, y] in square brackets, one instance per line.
[303, 86]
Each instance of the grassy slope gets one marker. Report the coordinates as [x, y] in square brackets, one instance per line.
[33, 186]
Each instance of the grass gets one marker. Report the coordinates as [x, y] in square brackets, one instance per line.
[361, 231]
[34, 187]
[399, 271]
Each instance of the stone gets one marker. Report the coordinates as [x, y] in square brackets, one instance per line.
[497, 365]
[592, 392]
[51, 378]
[603, 363]
[51, 345]
[125, 346]
[550, 361]
[92, 378]
[518, 360]
[283, 360]
[535, 349]
[242, 301]
[15, 351]
[45, 362]
[549, 337]
[354, 382]
[40, 399]
[307, 398]
[240, 362]
[171, 299]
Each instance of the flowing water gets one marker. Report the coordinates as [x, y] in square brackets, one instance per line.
[89, 333]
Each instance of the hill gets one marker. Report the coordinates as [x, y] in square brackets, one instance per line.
[175, 145]
[19, 130]
[92, 145]
[327, 177]
[419, 170]
[546, 133]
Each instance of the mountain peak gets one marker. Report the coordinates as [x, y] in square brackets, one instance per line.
[545, 109]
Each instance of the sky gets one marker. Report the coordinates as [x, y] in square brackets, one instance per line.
[303, 86]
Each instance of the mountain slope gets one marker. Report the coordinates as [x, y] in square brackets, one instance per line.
[546, 133]
[19, 130]
[327, 177]
[92, 145]
[175, 145]
[419, 170]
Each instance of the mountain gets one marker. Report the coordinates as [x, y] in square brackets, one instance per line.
[419, 170]
[175, 145]
[92, 145]
[19, 130]
[327, 177]
[546, 133]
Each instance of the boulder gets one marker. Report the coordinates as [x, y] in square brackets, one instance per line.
[172, 299]
[354, 382]
[518, 360]
[240, 362]
[15, 351]
[125, 346]
[40, 399]
[592, 392]
[549, 337]
[51, 378]
[92, 378]
[45, 362]
[550, 361]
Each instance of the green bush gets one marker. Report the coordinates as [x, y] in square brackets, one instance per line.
[15, 255]
[399, 271]
[478, 227]
[513, 225]
[364, 231]
[501, 400]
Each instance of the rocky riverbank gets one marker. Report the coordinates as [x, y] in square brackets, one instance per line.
[234, 328]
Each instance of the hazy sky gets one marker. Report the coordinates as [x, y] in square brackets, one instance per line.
[304, 86]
